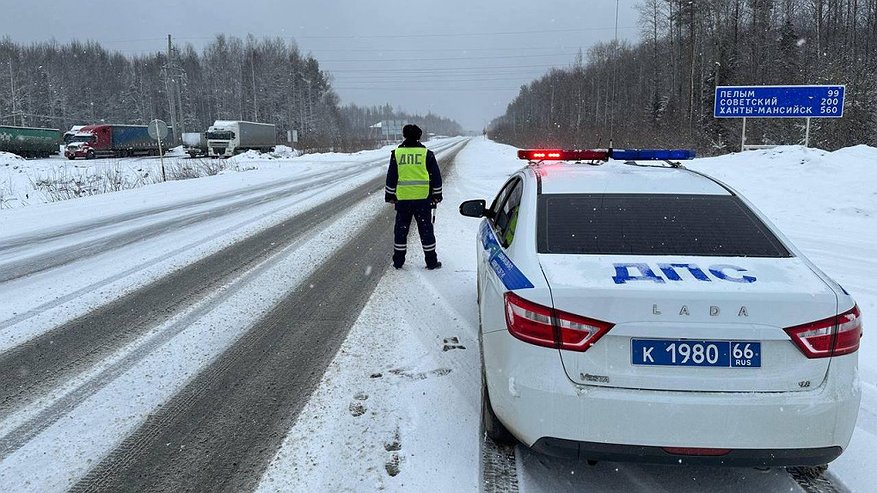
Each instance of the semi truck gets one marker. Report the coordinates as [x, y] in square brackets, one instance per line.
[30, 142]
[195, 144]
[226, 138]
[105, 140]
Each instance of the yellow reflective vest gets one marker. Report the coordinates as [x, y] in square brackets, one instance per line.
[413, 181]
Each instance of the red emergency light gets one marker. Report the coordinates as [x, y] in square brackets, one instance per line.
[563, 155]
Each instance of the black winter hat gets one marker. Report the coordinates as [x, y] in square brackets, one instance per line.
[411, 132]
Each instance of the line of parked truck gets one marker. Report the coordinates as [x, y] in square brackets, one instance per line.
[223, 139]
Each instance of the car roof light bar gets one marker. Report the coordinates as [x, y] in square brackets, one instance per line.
[563, 155]
[652, 154]
[604, 154]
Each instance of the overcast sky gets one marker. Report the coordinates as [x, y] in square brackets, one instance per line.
[464, 59]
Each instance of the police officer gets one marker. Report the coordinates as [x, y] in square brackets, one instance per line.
[414, 185]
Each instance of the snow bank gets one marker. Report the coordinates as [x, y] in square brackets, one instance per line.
[9, 159]
[826, 203]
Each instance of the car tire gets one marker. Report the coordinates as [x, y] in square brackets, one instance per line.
[491, 425]
[89, 155]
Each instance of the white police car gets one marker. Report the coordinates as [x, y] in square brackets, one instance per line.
[637, 310]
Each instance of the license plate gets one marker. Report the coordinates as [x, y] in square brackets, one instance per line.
[687, 352]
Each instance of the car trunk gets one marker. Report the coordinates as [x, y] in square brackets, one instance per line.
[690, 299]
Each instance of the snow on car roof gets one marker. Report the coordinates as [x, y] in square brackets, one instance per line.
[618, 177]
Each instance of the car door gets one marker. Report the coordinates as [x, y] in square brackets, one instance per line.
[495, 237]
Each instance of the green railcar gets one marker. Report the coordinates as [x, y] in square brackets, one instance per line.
[30, 142]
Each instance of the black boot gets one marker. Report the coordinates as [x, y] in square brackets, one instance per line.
[431, 260]
[398, 259]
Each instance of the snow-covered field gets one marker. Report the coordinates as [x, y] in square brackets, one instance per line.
[398, 408]
[26, 182]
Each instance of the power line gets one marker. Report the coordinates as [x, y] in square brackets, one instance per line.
[450, 35]
[390, 36]
[423, 50]
[329, 60]
[428, 89]
[444, 69]
[420, 78]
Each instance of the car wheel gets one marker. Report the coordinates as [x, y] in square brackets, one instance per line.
[89, 155]
[492, 426]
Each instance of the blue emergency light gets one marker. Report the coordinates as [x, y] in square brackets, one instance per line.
[651, 154]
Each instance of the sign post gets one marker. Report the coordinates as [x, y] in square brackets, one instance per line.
[158, 130]
[779, 102]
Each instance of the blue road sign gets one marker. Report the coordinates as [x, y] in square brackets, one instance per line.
[779, 102]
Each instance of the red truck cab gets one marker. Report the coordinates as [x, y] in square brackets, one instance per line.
[89, 142]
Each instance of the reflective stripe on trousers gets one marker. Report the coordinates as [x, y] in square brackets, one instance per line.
[421, 212]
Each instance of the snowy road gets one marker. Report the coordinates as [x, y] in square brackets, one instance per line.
[101, 362]
[241, 332]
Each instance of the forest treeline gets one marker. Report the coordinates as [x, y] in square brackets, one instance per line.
[660, 91]
[58, 85]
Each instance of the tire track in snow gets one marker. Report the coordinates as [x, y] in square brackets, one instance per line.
[221, 431]
[44, 362]
[311, 187]
[47, 416]
[812, 482]
[311, 190]
[499, 470]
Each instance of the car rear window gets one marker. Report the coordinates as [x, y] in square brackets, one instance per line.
[653, 224]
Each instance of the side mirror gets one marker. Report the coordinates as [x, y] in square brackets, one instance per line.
[473, 208]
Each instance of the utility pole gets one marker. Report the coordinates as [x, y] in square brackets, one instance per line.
[170, 93]
[614, 79]
[253, 72]
[12, 93]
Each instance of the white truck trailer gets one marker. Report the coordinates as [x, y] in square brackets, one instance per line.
[226, 138]
[195, 144]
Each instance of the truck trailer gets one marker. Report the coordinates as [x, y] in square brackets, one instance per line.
[30, 142]
[227, 138]
[195, 144]
[92, 141]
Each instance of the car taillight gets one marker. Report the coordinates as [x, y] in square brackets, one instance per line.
[544, 326]
[834, 336]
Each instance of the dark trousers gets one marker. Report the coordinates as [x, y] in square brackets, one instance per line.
[421, 211]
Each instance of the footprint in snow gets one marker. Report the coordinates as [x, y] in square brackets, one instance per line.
[452, 343]
[392, 465]
[356, 409]
[395, 444]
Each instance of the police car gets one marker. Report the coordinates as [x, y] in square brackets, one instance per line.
[632, 309]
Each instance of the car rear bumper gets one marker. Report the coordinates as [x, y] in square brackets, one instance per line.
[559, 447]
[531, 394]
